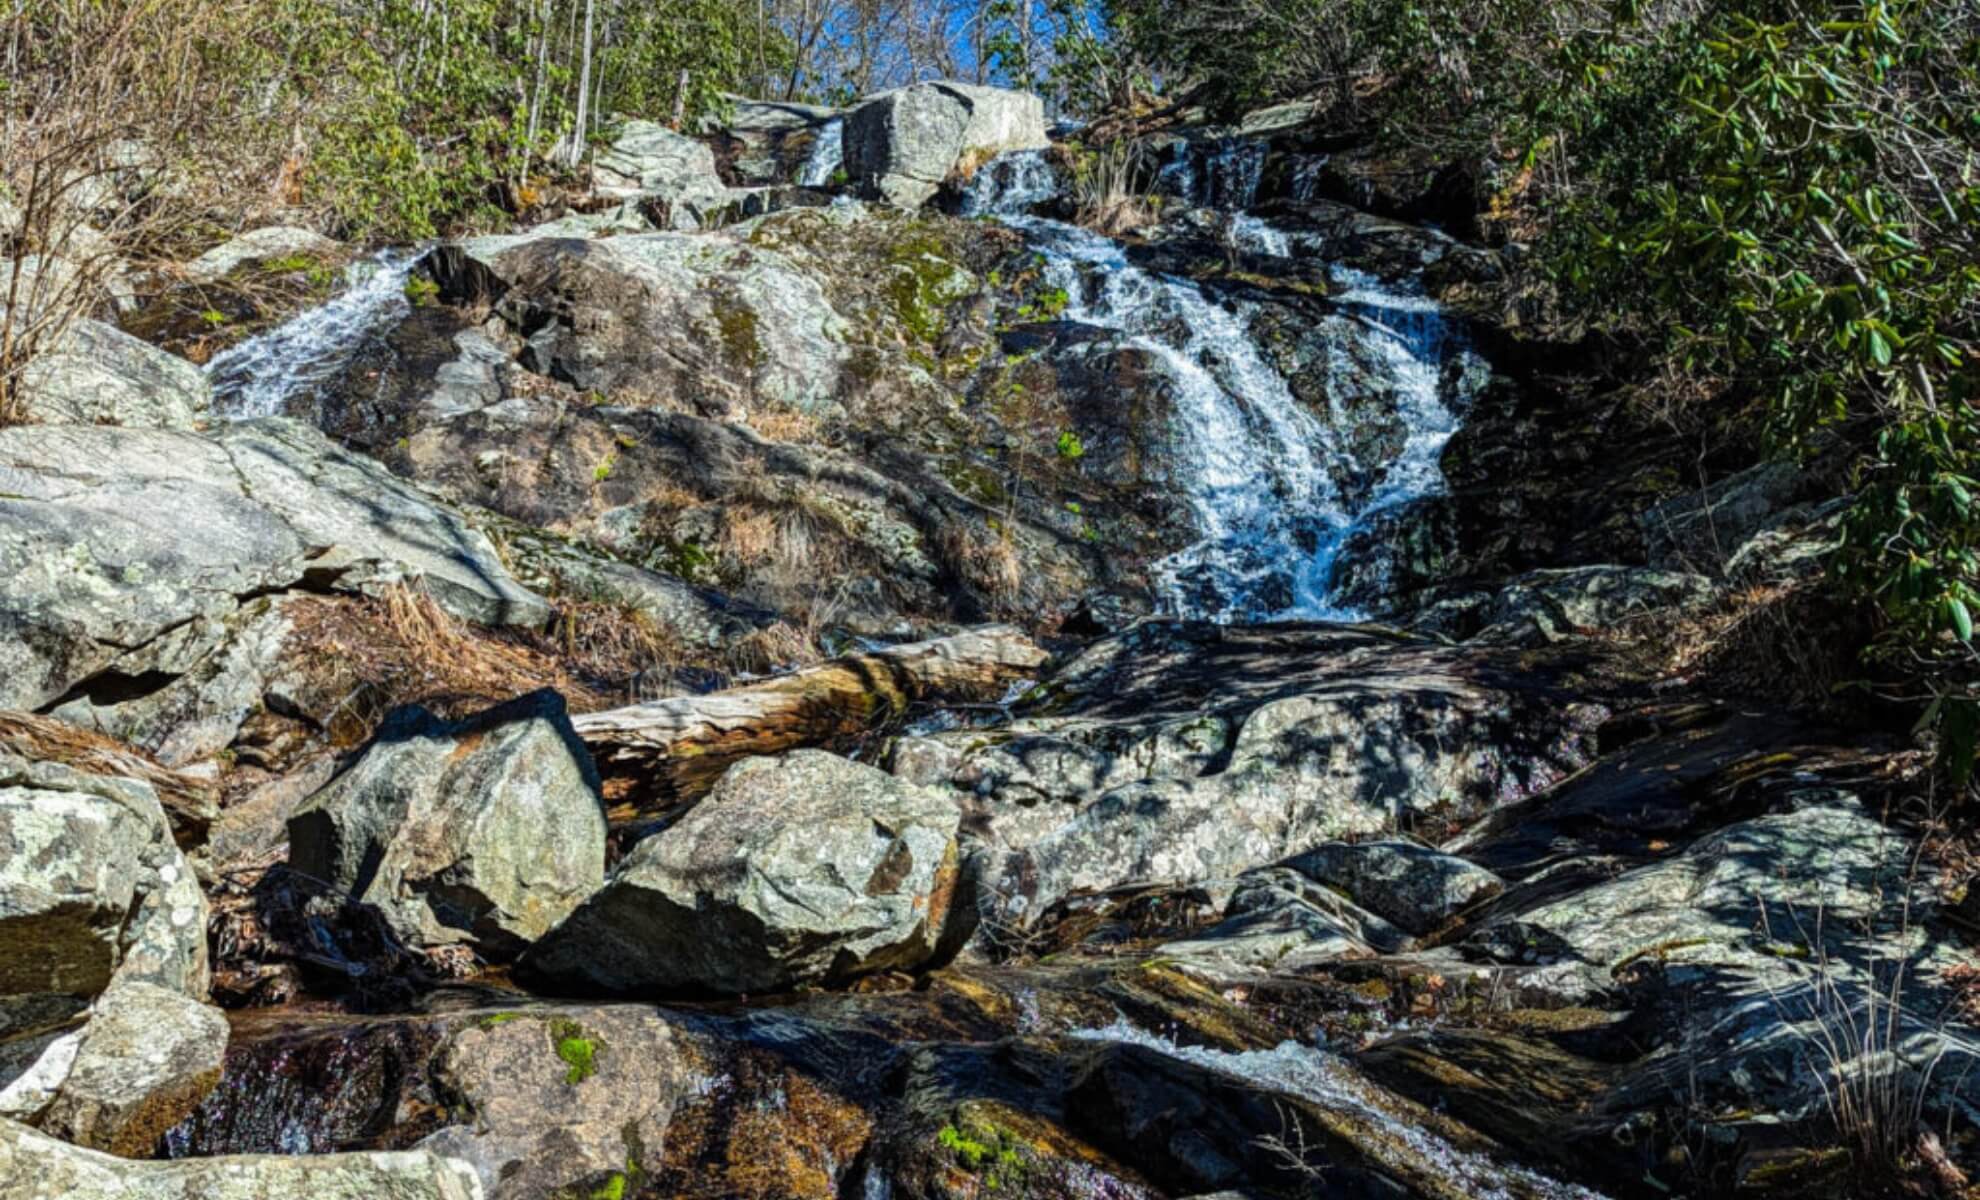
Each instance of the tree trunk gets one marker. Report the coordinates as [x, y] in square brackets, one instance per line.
[667, 752]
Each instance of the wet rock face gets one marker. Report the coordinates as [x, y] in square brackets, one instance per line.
[34, 1166]
[763, 143]
[1182, 752]
[900, 146]
[113, 538]
[795, 870]
[488, 831]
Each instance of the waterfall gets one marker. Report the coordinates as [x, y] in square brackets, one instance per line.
[1253, 460]
[260, 376]
[1011, 185]
[1258, 469]
[1328, 1082]
[1224, 175]
[828, 154]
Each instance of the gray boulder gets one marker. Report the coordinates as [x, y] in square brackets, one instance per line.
[487, 832]
[97, 374]
[147, 1056]
[34, 1166]
[1417, 888]
[1765, 956]
[794, 870]
[673, 175]
[900, 146]
[564, 1101]
[262, 245]
[113, 538]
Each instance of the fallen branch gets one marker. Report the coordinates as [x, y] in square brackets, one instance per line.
[668, 751]
[189, 803]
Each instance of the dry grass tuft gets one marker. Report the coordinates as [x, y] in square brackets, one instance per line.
[786, 425]
[367, 656]
[776, 647]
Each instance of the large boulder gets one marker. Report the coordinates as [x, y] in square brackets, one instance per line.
[673, 176]
[34, 1166]
[796, 870]
[103, 959]
[901, 145]
[147, 1056]
[111, 539]
[564, 1101]
[487, 831]
[96, 374]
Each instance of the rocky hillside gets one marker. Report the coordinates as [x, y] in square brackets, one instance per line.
[826, 668]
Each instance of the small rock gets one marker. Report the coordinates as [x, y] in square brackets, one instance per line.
[147, 1057]
[488, 831]
[796, 870]
[1419, 889]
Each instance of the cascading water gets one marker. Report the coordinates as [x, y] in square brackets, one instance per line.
[1259, 468]
[260, 376]
[1224, 174]
[1253, 459]
[1011, 185]
[1324, 1080]
[828, 154]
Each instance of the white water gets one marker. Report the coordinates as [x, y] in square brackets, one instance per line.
[828, 154]
[261, 375]
[1224, 175]
[1011, 185]
[1257, 467]
[1253, 460]
[1327, 1081]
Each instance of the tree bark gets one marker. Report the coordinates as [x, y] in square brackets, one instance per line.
[657, 755]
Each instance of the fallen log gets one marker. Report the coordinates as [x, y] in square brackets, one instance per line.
[667, 752]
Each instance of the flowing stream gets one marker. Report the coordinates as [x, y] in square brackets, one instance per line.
[1330, 1083]
[259, 377]
[828, 154]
